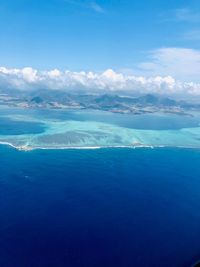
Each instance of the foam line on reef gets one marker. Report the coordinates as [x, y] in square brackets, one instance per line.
[29, 148]
[25, 148]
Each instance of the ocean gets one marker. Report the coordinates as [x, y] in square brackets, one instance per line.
[104, 207]
[107, 207]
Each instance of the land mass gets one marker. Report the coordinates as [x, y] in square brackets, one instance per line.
[55, 99]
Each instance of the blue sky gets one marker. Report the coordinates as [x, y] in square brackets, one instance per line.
[89, 35]
[146, 37]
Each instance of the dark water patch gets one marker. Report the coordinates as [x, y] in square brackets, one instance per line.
[12, 127]
[156, 121]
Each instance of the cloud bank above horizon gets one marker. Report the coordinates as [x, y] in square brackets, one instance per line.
[167, 71]
[109, 80]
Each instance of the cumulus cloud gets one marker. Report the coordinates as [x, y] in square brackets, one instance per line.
[109, 80]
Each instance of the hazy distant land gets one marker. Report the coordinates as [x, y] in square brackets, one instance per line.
[53, 99]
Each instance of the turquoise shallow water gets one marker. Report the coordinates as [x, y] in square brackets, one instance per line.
[79, 129]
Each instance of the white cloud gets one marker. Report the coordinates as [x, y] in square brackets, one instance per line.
[109, 80]
[96, 7]
[87, 4]
[181, 63]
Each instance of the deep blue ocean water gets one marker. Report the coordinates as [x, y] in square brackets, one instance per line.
[99, 208]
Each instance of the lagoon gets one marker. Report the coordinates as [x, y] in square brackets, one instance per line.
[34, 129]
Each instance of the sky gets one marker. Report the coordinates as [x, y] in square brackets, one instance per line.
[83, 41]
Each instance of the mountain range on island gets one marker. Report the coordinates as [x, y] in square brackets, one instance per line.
[56, 99]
